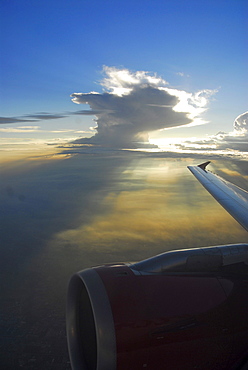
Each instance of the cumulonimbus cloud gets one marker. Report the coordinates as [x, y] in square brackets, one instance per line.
[133, 104]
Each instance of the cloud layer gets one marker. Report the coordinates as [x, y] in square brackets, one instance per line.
[134, 104]
[131, 105]
[236, 140]
[44, 116]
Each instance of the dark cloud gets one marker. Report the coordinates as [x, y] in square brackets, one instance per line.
[30, 118]
[86, 112]
[136, 104]
[6, 120]
[45, 116]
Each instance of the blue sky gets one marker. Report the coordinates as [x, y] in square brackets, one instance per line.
[54, 49]
[65, 212]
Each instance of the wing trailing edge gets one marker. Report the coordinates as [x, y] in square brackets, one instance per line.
[230, 196]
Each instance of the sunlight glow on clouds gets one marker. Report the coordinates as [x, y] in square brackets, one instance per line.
[122, 81]
[132, 108]
[236, 140]
[241, 123]
[22, 129]
[193, 104]
[162, 207]
[136, 103]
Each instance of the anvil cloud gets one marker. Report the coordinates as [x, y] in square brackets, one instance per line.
[136, 103]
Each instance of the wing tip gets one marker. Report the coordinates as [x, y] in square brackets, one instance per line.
[201, 166]
[204, 165]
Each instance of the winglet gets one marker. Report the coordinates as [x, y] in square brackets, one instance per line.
[204, 165]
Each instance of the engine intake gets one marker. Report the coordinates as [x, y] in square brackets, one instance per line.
[156, 313]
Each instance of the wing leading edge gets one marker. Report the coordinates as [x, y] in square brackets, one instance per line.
[230, 196]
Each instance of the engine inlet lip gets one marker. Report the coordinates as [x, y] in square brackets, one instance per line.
[89, 281]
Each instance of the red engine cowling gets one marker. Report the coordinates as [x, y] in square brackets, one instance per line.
[179, 310]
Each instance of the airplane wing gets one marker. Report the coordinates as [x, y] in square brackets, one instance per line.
[230, 196]
[135, 316]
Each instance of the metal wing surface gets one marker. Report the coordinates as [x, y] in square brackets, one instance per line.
[230, 196]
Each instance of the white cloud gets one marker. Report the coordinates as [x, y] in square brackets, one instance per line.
[192, 104]
[29, 127]
[60, 131]
[241, 123]
[122, 81]
[23, 129]
[136, 103]
[236, 140]
[182, 74]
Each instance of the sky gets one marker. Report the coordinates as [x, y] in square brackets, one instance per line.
[193, 53]
[103, 105]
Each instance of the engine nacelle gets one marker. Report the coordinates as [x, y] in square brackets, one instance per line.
[183, 309]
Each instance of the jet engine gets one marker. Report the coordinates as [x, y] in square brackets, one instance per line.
[184, 309]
